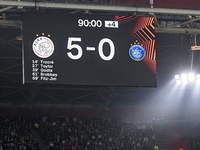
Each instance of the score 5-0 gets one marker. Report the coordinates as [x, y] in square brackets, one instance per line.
[71, 45]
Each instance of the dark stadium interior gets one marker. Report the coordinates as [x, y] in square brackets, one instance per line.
[52, 116]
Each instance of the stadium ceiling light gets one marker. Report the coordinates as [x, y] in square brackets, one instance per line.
[191, 76]
[197, 76]
[177, 77]
[178, 82]
[185, 82]
[187, 78]
[198, 81]
[183, 76]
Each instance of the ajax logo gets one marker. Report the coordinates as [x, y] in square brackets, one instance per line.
[43, 47]
[137, 52]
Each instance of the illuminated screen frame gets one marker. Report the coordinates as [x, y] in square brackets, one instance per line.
[83, 49]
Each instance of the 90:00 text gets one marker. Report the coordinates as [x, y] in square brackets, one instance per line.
[87, 23]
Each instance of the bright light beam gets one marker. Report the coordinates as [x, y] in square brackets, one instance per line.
[191, 76]
[178, 82]
[185, 82]
[198, 81]
[197, 76]
[177, 77]
[184, 76]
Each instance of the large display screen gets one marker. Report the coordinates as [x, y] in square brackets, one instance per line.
[88, 49]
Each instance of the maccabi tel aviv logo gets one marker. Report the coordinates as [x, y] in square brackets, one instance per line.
[136, 51]
[42, 46]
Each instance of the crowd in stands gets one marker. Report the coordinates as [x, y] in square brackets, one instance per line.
[94, 134]
[62, 133]
[15, 134]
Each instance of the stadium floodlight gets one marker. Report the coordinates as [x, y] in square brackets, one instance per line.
[177, 77]
[191, 76]
[198, 81]
[178, 82]
[184, 77]
[197, 76]
[184, 81]
[187, 78]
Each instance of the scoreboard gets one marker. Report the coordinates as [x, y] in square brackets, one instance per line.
[88, 49]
